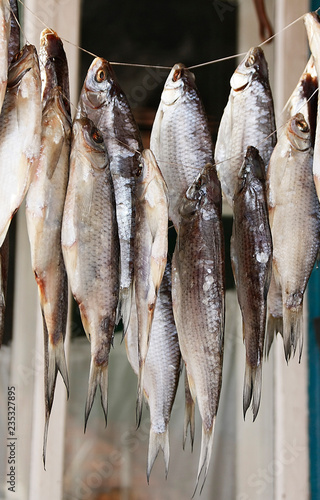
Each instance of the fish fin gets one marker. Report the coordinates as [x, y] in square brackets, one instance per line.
[158, 440]
[252, 388]
[316, 179]
[124, 308]
[205, 456]
[189, 418]
[292, 330]
[98, 377]
[140, 394]
[45, 439]
[274, 326]
[56, 362]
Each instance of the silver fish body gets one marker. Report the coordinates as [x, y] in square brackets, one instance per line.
[44, 211]
[180, 137]
[252, 264]
[162, 368]
[5, 26]
[14, 39]
[248, 120]
[294, 215]
[198, 291]
[103, 101]
[90, 247]
[150, 250]
[20, 133]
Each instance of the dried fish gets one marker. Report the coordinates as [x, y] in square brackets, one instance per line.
[44, 211]
[150, 251]
[162, 368]
[252, 263]
[293, 203]
[180, 136]
[90, 246]
[198, 291]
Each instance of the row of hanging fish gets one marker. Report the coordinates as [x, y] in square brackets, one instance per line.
[98, 206]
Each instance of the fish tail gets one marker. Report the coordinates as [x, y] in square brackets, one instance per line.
[205, 456]
[189, 418]
[98, 377]
[45, 440]
[140, 394]
[124, 308]
[56, 362]
[158, 440]
[274, 326]
[292, 331]
[252, 388]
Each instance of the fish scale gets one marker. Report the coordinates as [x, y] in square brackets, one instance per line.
[180, 137]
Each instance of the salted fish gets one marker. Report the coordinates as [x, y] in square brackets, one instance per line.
[103, 101]
[44, 211]
[162, 368]
[90, 246]
[198, 291]
[5, 25]
[248, 120]
[180, 136]
[150, 251]
[20, 133]
[14, 39]
[295, 225]
[252, 264]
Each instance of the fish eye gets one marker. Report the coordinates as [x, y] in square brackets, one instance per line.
[177, 74]
[251, 60]
[302, 125]
[97, 137]
[139, 170]
[100, 76]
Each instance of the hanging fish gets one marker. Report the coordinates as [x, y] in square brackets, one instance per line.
[198, 291]
[248, 120]
[162, 368]
[90, 246]
[103, 101]
[252, 262]
[44, 211]
[293, 203]
[150, 252]
[20, 133]
[312, 24]
[180, 137]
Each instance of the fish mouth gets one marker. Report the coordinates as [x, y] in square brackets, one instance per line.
[240, 81]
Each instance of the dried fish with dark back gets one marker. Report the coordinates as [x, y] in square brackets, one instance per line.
[198, 291]
[252, 263]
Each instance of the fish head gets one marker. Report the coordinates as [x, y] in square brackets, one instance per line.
[57, 102]
[179, 81]
[54, 66]
[147, 171]
[25, 60]
[252, 166]
[253, 67]
[100, 84]
[298, 133]
[204, 192]
[92, 144]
